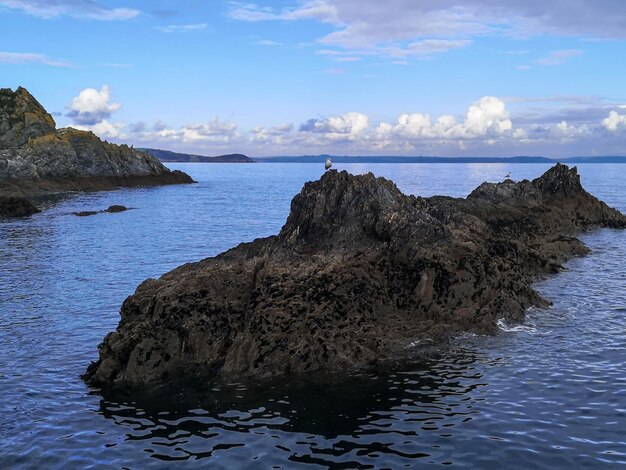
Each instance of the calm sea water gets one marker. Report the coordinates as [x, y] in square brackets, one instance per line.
[548, 393]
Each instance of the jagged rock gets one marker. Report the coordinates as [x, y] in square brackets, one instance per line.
[37, 158]
[11, 206]
[359, 273]
[22, 118]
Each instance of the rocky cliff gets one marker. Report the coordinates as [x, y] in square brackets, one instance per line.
[37, 158]
[359, 273]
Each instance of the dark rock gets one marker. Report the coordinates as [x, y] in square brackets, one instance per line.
[116, 208]
[11, 206]
[111, 210]
[359, 273]
[36, 158]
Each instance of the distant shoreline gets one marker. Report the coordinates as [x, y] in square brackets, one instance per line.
[396, 159]
[167, 156]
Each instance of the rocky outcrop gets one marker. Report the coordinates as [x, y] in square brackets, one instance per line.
[37, 158]
[359, 273]
[11, 206]
[22, 118]
[111, 210]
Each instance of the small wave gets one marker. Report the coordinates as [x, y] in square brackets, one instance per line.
[418, 342]
[502, 324]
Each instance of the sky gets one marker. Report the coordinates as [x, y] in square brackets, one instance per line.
[342, 77]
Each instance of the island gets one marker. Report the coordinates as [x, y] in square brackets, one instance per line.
[359, 274]
[168, 156]
[36, 158]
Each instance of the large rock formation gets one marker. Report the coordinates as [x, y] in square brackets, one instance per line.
[359, 272]
[37, 158]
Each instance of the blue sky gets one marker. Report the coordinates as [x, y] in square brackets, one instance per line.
[357, 77]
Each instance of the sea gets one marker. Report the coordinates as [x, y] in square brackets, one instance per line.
[548, 393]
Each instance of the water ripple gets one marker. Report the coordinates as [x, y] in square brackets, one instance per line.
[548, 393]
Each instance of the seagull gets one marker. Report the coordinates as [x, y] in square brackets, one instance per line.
[508, 175]
[328, 163]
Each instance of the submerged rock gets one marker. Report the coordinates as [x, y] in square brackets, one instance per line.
[359, 273]
[111, 210]
[86, 213]
[16, 207]
[36, 158]
[116, 208]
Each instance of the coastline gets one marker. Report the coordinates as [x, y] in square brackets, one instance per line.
[43, 187]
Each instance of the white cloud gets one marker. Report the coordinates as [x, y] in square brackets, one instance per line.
[487, 118]
[347, 127]
[615, 121]
[276, 135]
[559, 57]
[267, 42]
[213, 131]
[91, 106]
[181, 28]
[103, 129]
[88, 9]
[30, 58]
[569, 132]
[316, 9]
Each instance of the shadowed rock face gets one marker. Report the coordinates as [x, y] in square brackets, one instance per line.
[16, 207]
[359, 273]
[37, 158]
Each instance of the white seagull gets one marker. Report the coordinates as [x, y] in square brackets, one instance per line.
[328, 163]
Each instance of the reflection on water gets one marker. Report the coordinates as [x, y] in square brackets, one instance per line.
[550, 393]
[356, 421]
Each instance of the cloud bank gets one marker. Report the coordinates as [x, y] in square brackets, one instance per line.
[487, 127]
[31, 58]
[403, 28]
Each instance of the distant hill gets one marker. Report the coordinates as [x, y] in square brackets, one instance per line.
[168, 156]
[396, 159]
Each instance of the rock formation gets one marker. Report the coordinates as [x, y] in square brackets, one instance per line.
[12, 206]
[36, 158]
[111, 210]
[359, 273]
